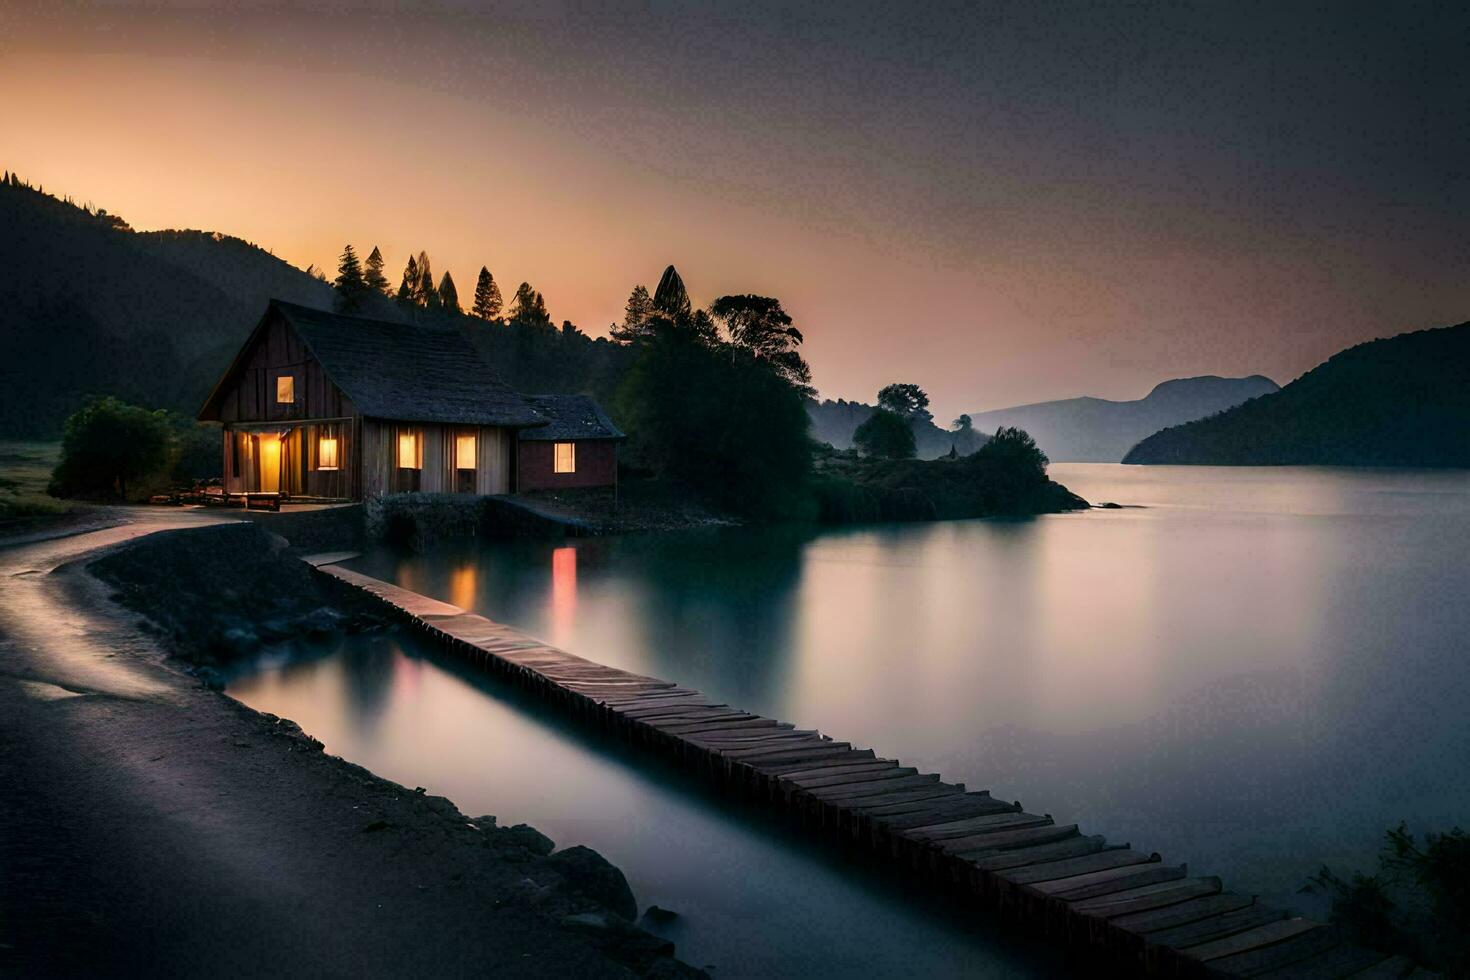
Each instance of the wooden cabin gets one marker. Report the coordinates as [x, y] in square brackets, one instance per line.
[577, 447]
[319, 406]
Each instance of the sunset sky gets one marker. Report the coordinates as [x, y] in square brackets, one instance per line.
[1000, 202]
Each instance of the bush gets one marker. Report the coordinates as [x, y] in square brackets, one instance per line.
[886, 435]
[107, 445]
[1016, 449]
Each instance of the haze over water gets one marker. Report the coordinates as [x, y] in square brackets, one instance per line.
[1257, 671]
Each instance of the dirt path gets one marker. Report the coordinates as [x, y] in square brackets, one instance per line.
[152, 825]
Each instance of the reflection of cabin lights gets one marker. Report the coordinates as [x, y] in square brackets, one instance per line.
[408, 451]
[565, 457]
[326, 453]
[464, 452]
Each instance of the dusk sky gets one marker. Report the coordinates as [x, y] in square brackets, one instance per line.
[1001, 202]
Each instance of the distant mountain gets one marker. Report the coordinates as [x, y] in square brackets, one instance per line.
[1096, 430]
[1403, 401]
[834, 422]
[87, 305]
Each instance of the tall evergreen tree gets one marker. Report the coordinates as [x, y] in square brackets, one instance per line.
[426, 295]
[408, 289]
[635, 317]
[523, 305]
[488, 302]
[351, 289]
[538, 311]
[373, 276]
[448, 295]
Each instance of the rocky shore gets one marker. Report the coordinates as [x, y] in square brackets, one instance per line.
[156, 823]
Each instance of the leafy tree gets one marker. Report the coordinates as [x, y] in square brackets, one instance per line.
[909, 401]
[671, 298]
[759, 325]
[448, 294]
[351, 287]
[408, 288]
[885, 434]
[487, 297]
[107, 445]
[635, 317]
[963, 424]
[373, 277]
[1017, 449]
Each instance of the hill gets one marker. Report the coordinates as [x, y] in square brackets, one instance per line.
[1097, 430]
[88, 306]
[1402, 401]
[834, 422]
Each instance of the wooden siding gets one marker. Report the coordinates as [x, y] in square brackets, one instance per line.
[437, 474]
[597, 465]
[250, 396]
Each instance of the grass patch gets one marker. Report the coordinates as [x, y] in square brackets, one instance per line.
[25, 469]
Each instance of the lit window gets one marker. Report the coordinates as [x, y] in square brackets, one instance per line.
[326, 453]
[565, 457]
[285, 390]
[464, 452]
[408, 450]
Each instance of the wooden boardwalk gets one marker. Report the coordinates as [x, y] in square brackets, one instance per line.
[1124, 911]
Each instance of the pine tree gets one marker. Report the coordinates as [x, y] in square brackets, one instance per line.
[487, 297]
[635, 316]
[373, 277]
[408, 289]
[426, 295]
[448, 295]
[523, 304]
[538, 311]
[351, 289]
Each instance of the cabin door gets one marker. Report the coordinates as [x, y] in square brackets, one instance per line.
[270, 462]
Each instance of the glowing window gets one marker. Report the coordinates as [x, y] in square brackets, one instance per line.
[285, 390]
[326, 453]
[564, 457]
[408, 450]
[464, 452]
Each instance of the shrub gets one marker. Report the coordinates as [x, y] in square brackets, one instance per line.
[885, 434]
[106, 445]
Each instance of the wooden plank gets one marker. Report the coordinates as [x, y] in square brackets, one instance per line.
[735, 724]
[1147, 897]
[1308, 943]
[836, 795]
[1345, 960]
[969, 826]
[1025, 856]
[825, 766]
[1120, 857]
[816, 750]
[879, 770]
[1110, 881]
[971, 804]
[748, 739]
[779, 767]
[1241, 942]
[898, 799]
[1007, 840]
[1183, 913]
[1215, 926]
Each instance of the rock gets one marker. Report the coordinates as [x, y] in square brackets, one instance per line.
[1108, 505]
[590, 874]
[658, 916]
[320, 622]
[524, 835]
[239, 641]
[485, 822]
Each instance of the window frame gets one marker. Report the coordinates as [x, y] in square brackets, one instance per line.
[556, 458]
[290, 386]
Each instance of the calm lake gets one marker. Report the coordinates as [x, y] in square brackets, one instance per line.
[1254, 670]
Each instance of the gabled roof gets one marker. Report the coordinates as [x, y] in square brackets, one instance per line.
[570, 417]
[400, 371]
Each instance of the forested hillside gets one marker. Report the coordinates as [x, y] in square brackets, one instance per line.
[1403, 401]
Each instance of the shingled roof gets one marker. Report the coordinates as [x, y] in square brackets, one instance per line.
[568, 418]
[407, 372]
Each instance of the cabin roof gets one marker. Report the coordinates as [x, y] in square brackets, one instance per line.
[568, 418]
[404, 372]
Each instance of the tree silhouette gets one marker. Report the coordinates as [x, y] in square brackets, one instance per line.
[373, 277]
[351, 287]
[107, 445]
[885, 434]
[448, 294]
[528, 308]
[426, 295]
[759, 325]
[964, 423]
[635, 317]
[408, 288]
[906, 400]
[487, 297]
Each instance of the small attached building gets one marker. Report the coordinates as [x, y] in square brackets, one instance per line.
[577, 447]
[328, 407]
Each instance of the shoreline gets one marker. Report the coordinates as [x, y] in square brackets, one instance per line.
[159, 821]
